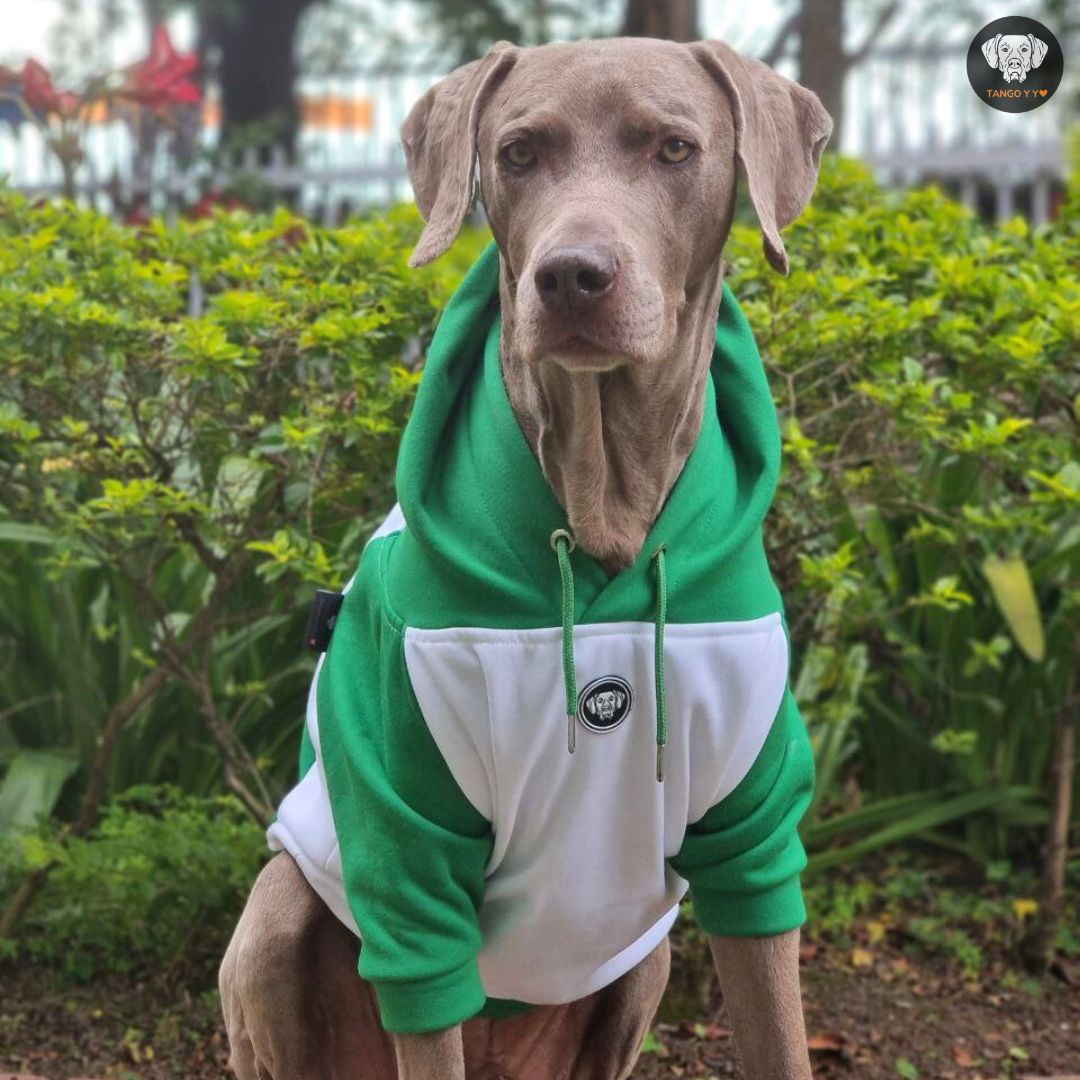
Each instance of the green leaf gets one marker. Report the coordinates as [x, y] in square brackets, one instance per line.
[944, 593]
[32, 785]
[877, 533]
[652, 1045]
[237, 484]
[877, 813]
[1010, 582]
[922, 820]
[18, 532]
[951, 741]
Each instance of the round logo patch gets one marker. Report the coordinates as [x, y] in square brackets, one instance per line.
[1015, 64]
[604, 703]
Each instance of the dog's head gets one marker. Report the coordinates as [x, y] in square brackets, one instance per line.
[1014, 54]
[608, 173]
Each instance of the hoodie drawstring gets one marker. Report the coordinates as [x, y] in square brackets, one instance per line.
[659, 558]
[562, 543]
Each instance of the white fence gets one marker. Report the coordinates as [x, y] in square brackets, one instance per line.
[915, 118]
[910, 114]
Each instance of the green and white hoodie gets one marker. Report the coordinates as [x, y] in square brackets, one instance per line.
[440, 813]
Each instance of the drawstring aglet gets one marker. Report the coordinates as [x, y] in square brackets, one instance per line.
[571, 732]
[660, 763]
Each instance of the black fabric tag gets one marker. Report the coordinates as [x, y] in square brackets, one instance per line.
[320, 624]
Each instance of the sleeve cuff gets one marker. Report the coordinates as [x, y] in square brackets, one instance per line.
[431, 1004]
[759, 914]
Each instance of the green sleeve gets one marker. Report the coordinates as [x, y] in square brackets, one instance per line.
[413, 849]
[744, 857]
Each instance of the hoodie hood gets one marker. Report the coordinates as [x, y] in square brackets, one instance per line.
[481, 514]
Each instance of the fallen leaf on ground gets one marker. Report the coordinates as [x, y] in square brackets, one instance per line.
[963, 1057]
[828, 1042]
[862, 958]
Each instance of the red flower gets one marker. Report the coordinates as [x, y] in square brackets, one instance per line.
[204, 207]
[41, 95]
[294, 235]
[163, 79]
[137, 216]
[215, 200]
[38, 88]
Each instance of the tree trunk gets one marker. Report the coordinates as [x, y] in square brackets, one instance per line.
[823, 61]
[257, 39]
[1040, 947]
[676, 20]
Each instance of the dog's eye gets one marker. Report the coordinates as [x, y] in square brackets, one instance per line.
[519, 154]
[675, 150]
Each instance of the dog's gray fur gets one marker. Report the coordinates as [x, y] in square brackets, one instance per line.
[608, 388]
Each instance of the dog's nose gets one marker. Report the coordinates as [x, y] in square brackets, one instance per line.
[571, 279]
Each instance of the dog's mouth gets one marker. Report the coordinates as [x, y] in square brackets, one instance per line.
[580, 345]
[580, 352]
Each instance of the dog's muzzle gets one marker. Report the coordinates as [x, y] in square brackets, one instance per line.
[1014, 71]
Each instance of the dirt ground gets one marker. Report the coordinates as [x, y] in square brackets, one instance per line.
[868, 1017]
[900, 1019]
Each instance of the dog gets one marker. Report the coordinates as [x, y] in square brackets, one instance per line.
[1014, 55]
[593, 424]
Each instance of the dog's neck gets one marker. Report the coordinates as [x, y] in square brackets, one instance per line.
[612, 444]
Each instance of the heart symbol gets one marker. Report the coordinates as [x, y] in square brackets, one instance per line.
[1043, 93]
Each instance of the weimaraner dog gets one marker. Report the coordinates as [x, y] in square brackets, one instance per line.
[595, 235]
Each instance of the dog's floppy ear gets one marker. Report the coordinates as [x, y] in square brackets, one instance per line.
[781, 129]
[1038, 50]
[990, 50]
[439, 136]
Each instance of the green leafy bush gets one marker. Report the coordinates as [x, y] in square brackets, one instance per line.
[198, 423]
[927, 530]
[157, 887]
[935, 907]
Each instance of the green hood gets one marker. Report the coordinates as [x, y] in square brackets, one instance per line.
[481, 514]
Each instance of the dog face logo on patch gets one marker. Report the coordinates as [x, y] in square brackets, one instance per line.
[604, 703]
[1014, 55]
[1014, 64]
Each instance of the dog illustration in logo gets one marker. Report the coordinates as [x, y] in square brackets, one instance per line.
[1014, 55]
[605, 705]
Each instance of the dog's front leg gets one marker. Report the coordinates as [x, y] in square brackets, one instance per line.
[760, 980]
[435, 1055]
